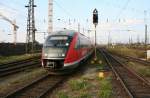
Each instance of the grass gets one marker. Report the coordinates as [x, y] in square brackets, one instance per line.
[145, 72]
[78, 84]
[127, 52]
[17, 57]
[22, 79]
[62, 95]
[81, 95]
[84, 95]
[105, 85]
[105, 88]
[89, 85]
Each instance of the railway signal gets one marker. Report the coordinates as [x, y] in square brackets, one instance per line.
[95, 22]
[95, 17]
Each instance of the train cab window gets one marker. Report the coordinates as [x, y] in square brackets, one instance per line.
[57, 41]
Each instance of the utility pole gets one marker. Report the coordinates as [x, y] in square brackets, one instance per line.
[138, 40]
[50, 16]
[145, 20]
[109, 40]
[78, 27]
[30, 40]
[69, 24]
[83, 31]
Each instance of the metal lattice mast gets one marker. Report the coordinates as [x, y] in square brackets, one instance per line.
[30, 40]
[50, 16]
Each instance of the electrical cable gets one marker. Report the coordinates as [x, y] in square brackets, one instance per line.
[63, 9]
[122, 9]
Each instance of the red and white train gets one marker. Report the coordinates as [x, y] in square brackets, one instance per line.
[64, 50]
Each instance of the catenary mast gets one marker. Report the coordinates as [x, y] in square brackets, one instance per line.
[50, 16]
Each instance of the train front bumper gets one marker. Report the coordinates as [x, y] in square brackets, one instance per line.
[56, 65]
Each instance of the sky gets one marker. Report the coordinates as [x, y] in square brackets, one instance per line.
[119, 20]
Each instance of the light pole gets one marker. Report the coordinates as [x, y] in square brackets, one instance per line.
[95, 22]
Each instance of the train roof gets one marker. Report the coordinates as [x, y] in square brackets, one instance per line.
[64, 32]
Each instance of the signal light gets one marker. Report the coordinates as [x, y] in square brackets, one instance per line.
[95, 17]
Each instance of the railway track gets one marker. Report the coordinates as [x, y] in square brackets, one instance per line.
[43, 86]
[14, 63]
[14, 67]
[134, 85]
[38, 88]
[144, 62]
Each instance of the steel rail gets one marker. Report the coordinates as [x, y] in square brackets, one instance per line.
[118, 75]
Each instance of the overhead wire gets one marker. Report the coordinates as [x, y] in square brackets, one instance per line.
[4, 5]
[134, 10]
[63, 9]
[11, 9]
[122, 9]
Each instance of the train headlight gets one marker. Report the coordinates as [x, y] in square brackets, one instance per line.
[45, 55]
[67, 44]
[63, 54]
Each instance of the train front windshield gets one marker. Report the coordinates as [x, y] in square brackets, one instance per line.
[58, 41]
